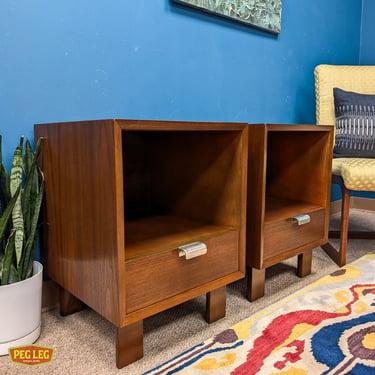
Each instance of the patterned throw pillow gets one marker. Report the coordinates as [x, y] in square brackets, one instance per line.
[355, 124]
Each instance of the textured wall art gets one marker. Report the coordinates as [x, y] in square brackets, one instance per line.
[263, 14]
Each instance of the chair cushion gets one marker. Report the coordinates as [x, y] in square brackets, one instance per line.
[355, 124]
[357, 78]
[357, 173]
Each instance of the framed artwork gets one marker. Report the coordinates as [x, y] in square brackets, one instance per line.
[263, 14]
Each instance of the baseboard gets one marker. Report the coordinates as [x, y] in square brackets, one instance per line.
[50, 295]
[335, 207]
[365, 204]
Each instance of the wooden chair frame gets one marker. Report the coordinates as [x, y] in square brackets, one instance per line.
[351, 78]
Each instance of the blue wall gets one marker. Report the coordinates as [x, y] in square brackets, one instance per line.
[72, 60]
[367, 56]
[367, 53]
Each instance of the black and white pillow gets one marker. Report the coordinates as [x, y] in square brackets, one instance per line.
[355, 124]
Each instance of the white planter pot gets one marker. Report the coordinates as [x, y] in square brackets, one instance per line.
[21, 311]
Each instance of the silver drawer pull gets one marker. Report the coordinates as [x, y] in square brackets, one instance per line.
[301, 219]
[192, 250]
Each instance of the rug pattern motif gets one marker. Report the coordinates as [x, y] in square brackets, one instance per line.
[326, 328]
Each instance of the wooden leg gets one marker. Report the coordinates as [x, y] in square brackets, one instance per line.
[344, 227]
[304, 263]
[339, 257]
[68, 303]
[256, 281]
[216, 304]
[129, 344]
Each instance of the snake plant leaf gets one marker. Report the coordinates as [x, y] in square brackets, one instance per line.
[21, 195]
[4, 219]
[8, 258]
[4, 188]
[13, 275]
[1, 265]
[4, 183]
[17, 216]
[30, 246]
[28, 157]
[31, 187]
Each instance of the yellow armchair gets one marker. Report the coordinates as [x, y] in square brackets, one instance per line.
[351, 174]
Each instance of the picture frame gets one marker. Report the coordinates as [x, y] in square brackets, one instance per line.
[261, 14]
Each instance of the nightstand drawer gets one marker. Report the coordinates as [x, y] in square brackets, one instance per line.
[163, 275]
[283, 235]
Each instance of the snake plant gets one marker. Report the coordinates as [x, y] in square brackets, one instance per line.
[21, 195]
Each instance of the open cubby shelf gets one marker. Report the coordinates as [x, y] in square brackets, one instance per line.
[176, 187]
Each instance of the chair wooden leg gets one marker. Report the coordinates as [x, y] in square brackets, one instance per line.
[344, 227]
[339, 257]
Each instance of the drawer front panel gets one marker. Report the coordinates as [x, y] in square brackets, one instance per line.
[284, 235]
[155, 278]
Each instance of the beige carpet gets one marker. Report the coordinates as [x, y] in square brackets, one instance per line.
[84, 342]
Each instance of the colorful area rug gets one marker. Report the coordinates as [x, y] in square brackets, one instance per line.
[325, 328]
